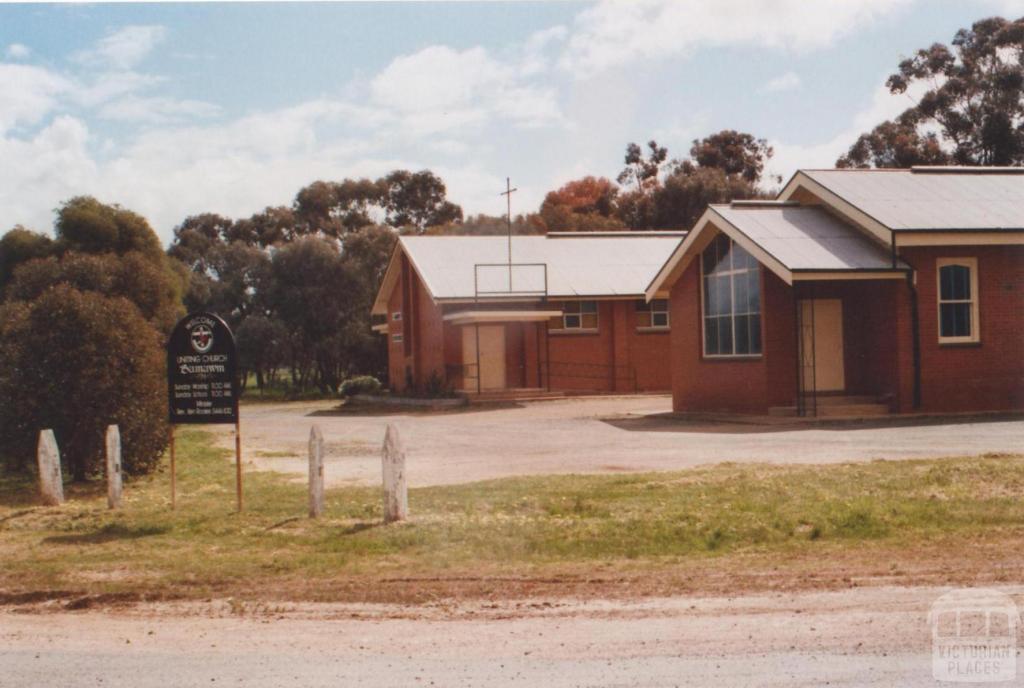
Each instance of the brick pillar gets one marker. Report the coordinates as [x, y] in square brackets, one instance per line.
[904, 349]
[623, 374]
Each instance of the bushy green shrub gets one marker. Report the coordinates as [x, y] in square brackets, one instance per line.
[76, 361]
[363, 384]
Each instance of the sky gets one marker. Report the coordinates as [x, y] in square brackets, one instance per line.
[177, 109]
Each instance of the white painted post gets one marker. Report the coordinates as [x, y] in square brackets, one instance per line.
[51, 483]
[396, 497]
[316, 472]
[113, 467]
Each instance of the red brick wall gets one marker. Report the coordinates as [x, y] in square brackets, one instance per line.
[581, 361]
[615, 358]
[396, 353]
[708, 384]
[422, 328]
[984, 376]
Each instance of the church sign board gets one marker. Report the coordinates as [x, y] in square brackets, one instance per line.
[201, 371]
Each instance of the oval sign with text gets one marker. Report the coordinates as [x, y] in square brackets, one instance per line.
[202, 386]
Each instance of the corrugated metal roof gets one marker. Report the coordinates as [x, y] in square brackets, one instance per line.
[805, 237]
[931, 199]
[584, 266]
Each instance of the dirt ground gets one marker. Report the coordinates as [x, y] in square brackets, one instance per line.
[587, 435]
[855, 637]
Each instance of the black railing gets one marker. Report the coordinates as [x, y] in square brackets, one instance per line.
[618, 377]
[555, 375]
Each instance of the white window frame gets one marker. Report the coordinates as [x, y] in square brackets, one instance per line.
[650, 309]
[580, 328]
[397, 338]
[396, 316]
[972, 265]
[732, 296]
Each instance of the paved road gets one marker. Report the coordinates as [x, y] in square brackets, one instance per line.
[856, 637]
[590, 435]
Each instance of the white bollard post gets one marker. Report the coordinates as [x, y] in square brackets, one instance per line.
[51, 482]
[396, 497]
[114, 483]
[316, 472]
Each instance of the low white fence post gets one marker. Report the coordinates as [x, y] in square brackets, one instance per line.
[316, 472]
[51, 482]
[396, 497]
[114, 483]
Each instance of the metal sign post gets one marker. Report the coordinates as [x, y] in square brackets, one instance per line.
[202, 383]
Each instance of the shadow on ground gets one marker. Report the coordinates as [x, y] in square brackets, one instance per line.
[385, 410]
[668, 422]
[109, 533]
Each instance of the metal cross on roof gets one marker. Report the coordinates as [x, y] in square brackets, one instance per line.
[507, 193]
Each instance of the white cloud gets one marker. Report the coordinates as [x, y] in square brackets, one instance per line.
[614, 33]
[18, 51]
[439, 89]
[1011, 9]
[124, 48]
[27, 94]
[156, 109]
[784, 82]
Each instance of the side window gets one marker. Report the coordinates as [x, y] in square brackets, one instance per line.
[653, 314]
[396, 316]
[958, 300]
[577, 315]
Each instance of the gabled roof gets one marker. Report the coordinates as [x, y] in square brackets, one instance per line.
[795, 242]
[927, 198]
[805, 238]
[577, 265]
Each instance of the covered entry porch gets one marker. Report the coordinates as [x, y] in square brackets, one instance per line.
[850, 334]
[498, 351]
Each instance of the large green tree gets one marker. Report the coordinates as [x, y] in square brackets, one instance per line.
[972, 108]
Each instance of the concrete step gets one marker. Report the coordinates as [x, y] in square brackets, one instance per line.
[851, 410]
[840, 399]
[519, 394]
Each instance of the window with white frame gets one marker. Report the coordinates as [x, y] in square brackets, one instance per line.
[396, 316]
[653, 314]
[396, 338]
[958, 300]
[731, 299]
[577, 315]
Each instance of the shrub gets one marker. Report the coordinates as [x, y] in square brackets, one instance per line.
[75, 362]
[363, 384]
[435, 387]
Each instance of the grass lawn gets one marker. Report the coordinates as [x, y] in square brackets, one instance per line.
[496, 537]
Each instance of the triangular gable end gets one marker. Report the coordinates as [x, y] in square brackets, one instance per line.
[391, 275]
[697, 240]
[837, 204]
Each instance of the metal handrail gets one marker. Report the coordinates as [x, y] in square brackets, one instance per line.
[510, 291]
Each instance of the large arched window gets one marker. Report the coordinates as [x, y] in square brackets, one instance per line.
[958, 300]
[731, 286]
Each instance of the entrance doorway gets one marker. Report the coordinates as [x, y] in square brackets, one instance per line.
[821, 345]
[492, 356]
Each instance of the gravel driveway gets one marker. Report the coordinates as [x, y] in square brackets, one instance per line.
[587, 435]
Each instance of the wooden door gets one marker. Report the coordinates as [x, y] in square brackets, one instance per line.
[492, 357]
[821, 345]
